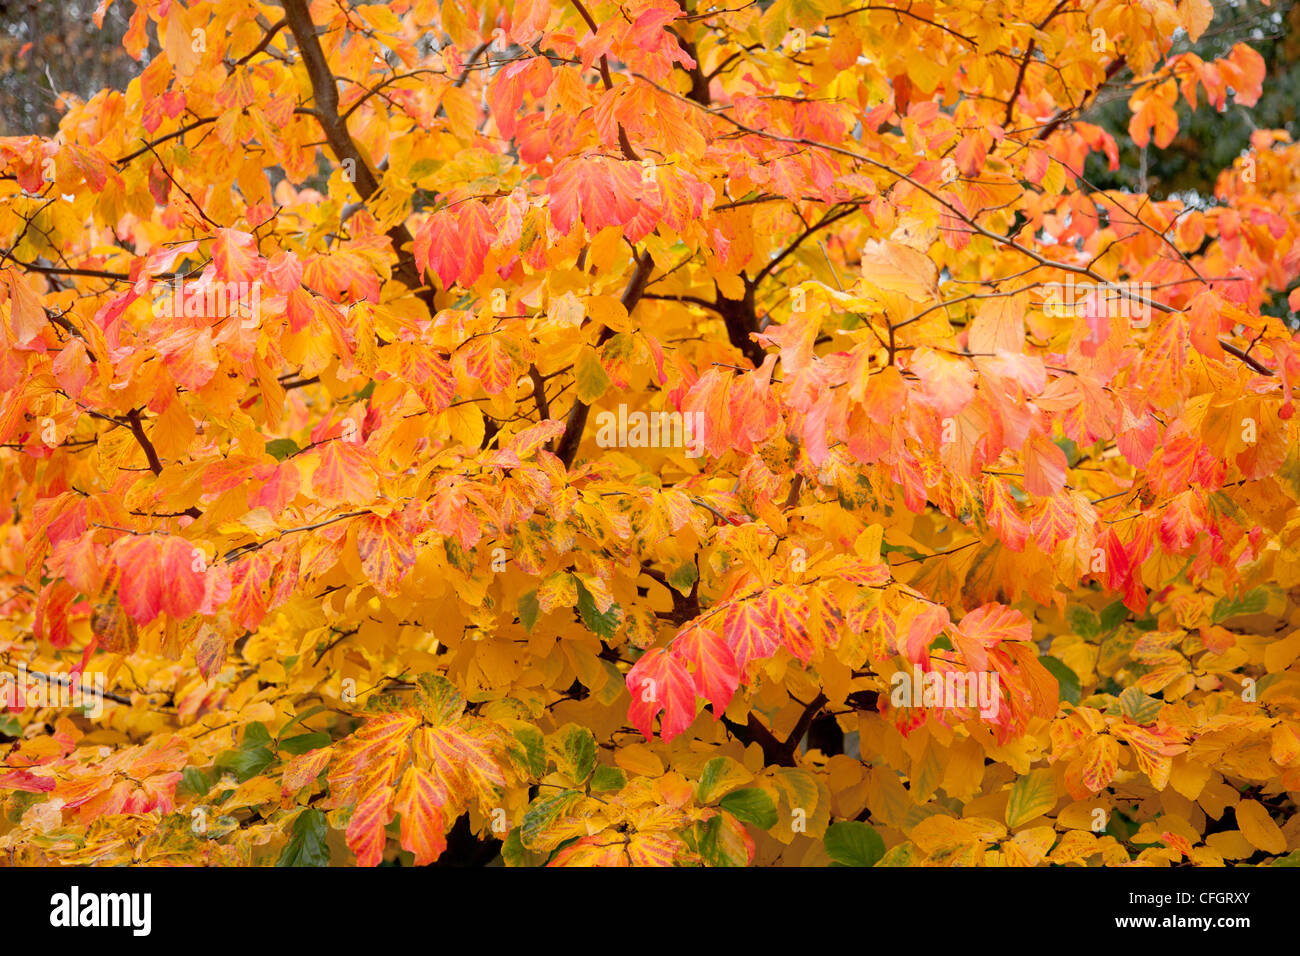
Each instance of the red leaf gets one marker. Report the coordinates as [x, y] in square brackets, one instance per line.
[971, 153]
[985, 627]
[661, 682]
[485, 358]
[751, 632]
[53, 608]
[344, 475]
[184, 581]
[788, 608]
[604, 192]
[1003, 514]
[140, 587]
[477, 232]
[925, 627]
[278, 489]
[1044, 466]
[1054, 521]
[385, 549]
[712, 662]
[365, 832]
[437, 244]
[234, 253]
[158, 575]
[1184, 518]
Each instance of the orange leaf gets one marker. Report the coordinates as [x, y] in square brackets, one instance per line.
[1044, 466]
[386, 551]
[751, 632]
[234, 254]
[418, 800]
[365, 832]
[343, 475]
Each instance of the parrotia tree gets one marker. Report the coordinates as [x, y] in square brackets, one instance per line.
[643, 433]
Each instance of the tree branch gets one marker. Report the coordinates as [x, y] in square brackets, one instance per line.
[577, 420]
[150, 453]
[326, 97]
[608, 82]
[1114, 67]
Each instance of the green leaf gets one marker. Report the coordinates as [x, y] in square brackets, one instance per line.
[684, 578]
[714, 846]
[310, 712]
[615, 687]
[253, 756]
[1254, 601]
[1139, 707]
[10, 727]
[543, 811]
[751, 805]
[1113, 615]
[1031, 796]
[1066, 679]
[603, 625]
[1071, 450]
[281, 448]
[309, 846]
[1290, 472]
[853, 843]
[608, 778]
[886, 549]
[533, 744]
[439, 700]
[528, 609]
[900, 855]
[576, 752]
[195, 781]
[512, 849]
[255, 734]
[1082, 620]
[720, 776]
[304, 742]
[775, 24]
[1120, 826]
[244, 763]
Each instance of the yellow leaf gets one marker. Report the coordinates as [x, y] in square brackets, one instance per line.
[1230, 844]
[1188, 777]
[999, 325]
[1258, 827]
[720, 776]
[1028, 847]
[639, 759]
[1079, 816]
[1196, 16]
[893, 267]
[1031, 796]
[252, 792]
[590, 376]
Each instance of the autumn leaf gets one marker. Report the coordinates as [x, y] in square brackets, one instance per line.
[659, 681]
[417, 800]
[893, 267]
[712, 664]
[158, 575]
[314, 325]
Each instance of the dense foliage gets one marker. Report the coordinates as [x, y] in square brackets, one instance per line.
[640, 433]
